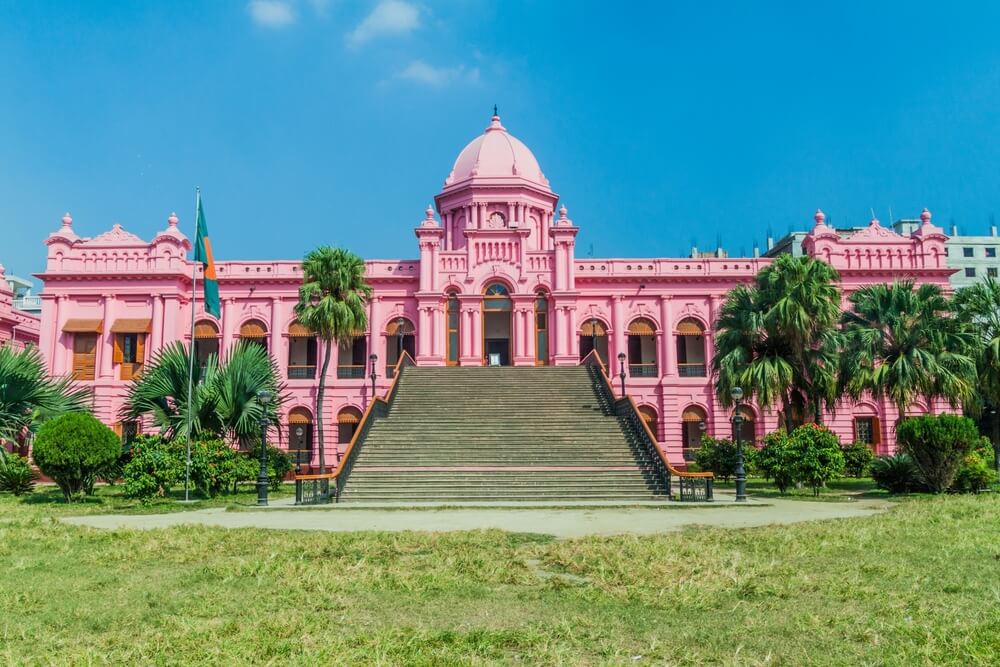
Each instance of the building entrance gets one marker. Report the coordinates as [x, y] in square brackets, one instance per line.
[496, 326]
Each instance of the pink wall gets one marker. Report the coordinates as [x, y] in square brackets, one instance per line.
[17, 327]
[496, 221]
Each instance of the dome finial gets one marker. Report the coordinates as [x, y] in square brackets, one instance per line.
[67, 220]
[172, 220]
[495, 113]
[925, 217]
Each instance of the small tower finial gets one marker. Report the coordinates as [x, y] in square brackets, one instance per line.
[495, 110]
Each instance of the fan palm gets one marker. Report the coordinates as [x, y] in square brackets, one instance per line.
[29, 396]
[332, 302]
[224, 399]
[901, 343]
[978, 308]
[778, 340]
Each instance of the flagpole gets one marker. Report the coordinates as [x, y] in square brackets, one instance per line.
[194, 301]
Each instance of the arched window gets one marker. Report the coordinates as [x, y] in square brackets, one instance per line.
[301, 352]
[642, 348]
[691, 349]
[254, 331]
[648, 415]
[352, 358]
[498, 290]
[300, 435]
[748, 427]
[694, 424]
[398, 339]
[206, 341]
[347, 423]
[867, 427]
[454, 317]
[541, 329]
[594, 336]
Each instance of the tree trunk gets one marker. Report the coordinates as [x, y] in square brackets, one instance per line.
[320, 391]
[787, 407]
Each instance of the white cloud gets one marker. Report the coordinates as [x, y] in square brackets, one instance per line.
[390, 17]
[320, 7]
[271, 13]
[419, 71]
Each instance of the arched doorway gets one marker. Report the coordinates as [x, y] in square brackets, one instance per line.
[594, 336]
[301, 352]
[300, 435]
[399, 338]
[541, 329]
[254, 331]
[206, 341]
[691, 349]
[648, 415]
[347, 423]
[694, 423]
[452, 341]
[642, 348]
[497, 311]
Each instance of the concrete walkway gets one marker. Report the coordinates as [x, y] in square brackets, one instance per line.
[561, 521]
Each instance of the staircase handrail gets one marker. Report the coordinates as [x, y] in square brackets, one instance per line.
[632, 410]
[378, 407]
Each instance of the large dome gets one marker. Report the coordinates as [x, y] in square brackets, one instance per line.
[496, 154]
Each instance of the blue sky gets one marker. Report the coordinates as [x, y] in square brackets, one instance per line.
[660, 124]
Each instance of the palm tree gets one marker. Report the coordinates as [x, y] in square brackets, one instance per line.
[29, 396]
[978, 307]
[332, 302]
[224, 402]
[901, 343]
[778, 339]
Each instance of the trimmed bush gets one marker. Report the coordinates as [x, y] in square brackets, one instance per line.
[72, 449]
[937, 444]
[719, 456]
[817, 456]
[153, 469]
[857, 458]
[974, 474]
[776, 460]
[16, 475]
[896, 474]
[216, 467]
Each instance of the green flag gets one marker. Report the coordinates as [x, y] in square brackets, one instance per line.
[203, 254]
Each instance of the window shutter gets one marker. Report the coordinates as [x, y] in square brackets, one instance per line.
[140, 349]
[118, 355]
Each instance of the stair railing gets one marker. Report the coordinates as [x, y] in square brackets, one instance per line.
[693, 485]
[314, 489]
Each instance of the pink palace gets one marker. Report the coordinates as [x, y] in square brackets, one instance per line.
[496, 281]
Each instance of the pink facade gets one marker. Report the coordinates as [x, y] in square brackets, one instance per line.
[17, 328]
[496, 280]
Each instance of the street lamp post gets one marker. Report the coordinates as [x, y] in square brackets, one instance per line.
[373, 358]
[621, 373]
[264, 398]
[741, 474]
[299, 432]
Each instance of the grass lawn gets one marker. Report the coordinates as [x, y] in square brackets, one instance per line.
[917, 585]
[844, 489]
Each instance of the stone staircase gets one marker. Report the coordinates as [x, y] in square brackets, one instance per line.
[466, 434]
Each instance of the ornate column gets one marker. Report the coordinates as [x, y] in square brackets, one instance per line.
[477, 335]
[426, 333]
[277, 329]
[669, 346]
[156, 332]
[618, 325]
[229, 314]
[106, 341]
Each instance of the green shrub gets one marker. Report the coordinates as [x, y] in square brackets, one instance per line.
[279, 464]
[72, 449]
[155, 466]
[937, 444]
[896, 474]
[974, 474]
[719, 457]
[857, 458]
[817, 456]
[776, 460]
[216, 466]
[16, 475]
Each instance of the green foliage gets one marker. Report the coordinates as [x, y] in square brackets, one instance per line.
[817, 456]
[16, 475]
[937, 444]
[29, 396]
[153, 469]
[279, 464]
[896, 474]
[857, 457]
[719, 457]
[332, 302]
[974, 474]
[778, 339]
[776, 460]
[901, 343]
[72, 449]
[216, 466]
[224, 397]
